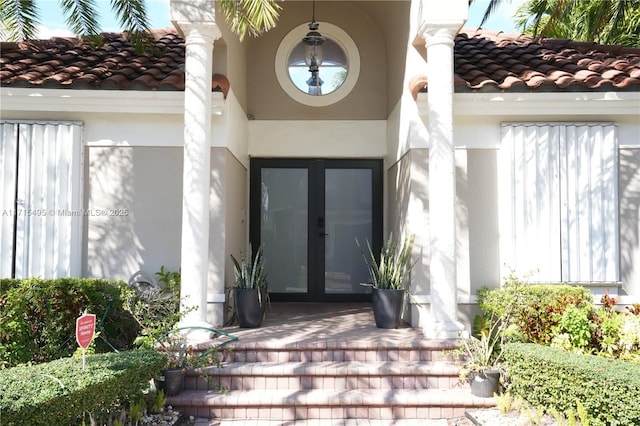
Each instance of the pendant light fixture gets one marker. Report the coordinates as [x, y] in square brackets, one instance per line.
[313, 54]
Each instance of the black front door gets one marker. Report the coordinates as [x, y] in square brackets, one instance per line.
[307, 215]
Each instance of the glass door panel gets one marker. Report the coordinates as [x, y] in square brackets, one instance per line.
[348, 216]
[307, 214]
[284, 218]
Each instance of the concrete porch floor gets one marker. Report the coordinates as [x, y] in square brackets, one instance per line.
[306, 322]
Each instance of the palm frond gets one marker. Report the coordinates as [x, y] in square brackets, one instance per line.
[250, 17]
[132, 15]
[616, 18]
[540, 11]
[490, 10]
[81, 16]
[601, 21]
[20, 18]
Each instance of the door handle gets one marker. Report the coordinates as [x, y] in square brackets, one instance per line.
[321, 232]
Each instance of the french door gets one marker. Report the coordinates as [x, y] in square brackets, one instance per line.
[307, 215]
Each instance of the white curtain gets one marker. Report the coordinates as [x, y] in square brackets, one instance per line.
[41, 199]
[559, 201]
[8, 174]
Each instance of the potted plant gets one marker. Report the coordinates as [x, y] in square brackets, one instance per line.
[480, 358]
[387, 279]
[250, 288]
[177, 352]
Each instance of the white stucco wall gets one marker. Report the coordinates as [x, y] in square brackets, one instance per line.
[133, 164]
[316, 138]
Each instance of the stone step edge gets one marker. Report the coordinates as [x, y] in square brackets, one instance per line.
[202, 421]
[324, 398]
[332, 369]
[333, 344]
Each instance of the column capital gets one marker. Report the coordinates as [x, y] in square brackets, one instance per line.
[440, 32]
[199, 32]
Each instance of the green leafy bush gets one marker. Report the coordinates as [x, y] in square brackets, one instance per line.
[157, 310]
[538, 308]
[38, 317]
[7, 284]
[575, 326]
[607, 389]
[61, 393]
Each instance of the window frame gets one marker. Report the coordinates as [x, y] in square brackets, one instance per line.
[339, 36]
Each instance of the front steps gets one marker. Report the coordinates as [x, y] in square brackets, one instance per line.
[368, 378]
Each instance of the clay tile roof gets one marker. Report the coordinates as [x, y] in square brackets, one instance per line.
[68, 63]
[490, 61]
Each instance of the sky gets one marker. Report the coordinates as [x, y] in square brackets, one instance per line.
[54, 25]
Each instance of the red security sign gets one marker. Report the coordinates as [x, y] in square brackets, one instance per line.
[85, 329]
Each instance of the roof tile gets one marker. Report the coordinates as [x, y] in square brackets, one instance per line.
[484, 61]
[68, 63]
[489, 60]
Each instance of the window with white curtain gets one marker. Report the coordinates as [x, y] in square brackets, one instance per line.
[41, 199]
[559, 201]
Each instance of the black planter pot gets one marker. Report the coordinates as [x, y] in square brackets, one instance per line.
[485, 383]
[172, 381]
[387, 307]
[249, 310]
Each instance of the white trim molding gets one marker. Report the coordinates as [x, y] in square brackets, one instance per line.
[555, 103]
[216, 298]
[115, 101]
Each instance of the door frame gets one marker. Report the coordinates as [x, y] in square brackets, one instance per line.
[316, 199]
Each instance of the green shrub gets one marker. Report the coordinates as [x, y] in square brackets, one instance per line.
[38, 317]
[538, 308]
[61, 393]
[608, 389]
[576, 327]
[617, 333]
[157, 310]
[7, 284]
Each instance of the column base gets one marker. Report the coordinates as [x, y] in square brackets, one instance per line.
[445, 330]
[215, 313]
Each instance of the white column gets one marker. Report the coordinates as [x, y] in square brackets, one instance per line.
[199, 38]
[442, 182]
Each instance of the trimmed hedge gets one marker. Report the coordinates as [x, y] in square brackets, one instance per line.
[38, 317]
[60, 392]
[608, 389]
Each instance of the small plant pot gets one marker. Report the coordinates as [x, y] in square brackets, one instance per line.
[387, 307]
[172, 381]
[249, 310]
[486, 383]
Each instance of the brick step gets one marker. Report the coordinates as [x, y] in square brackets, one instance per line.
[339, 351]
[327, 375]
[385, 376]
[291, 404]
